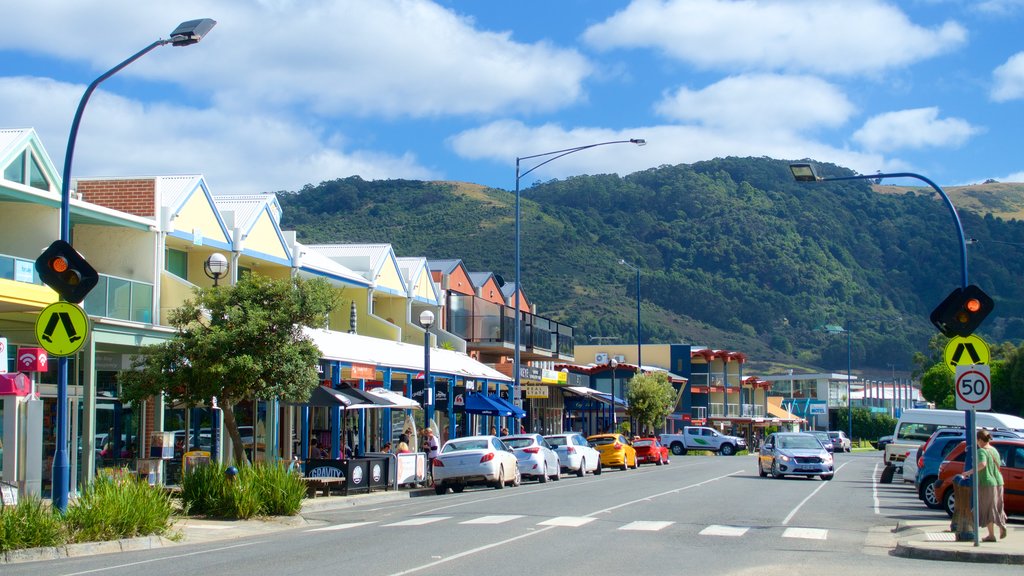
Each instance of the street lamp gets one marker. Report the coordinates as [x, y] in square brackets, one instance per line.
[215, 267]
[185, 34]
[615, 417]
[426, 321]
[639, 346]
[549, 157]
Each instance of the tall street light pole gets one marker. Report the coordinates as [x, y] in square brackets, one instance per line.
[549, 157]
[639, 342]
[185, 34]
[426, 321]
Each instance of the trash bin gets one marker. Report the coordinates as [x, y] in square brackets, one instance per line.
[963, 516]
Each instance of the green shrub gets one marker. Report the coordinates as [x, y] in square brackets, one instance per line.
[281, 491]
[202, 489]
[119, 507]
[261, 490]
[30, 524]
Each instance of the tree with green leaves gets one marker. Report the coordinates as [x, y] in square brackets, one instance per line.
[235, 343]
[937, 386]
[651, 399]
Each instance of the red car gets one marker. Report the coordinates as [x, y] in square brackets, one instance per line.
[1011, 452]
[651, 451]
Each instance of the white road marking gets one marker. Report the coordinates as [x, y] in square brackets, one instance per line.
[809, 496]
[569, 521]
[140, 562]
[806, 533]
[339, 527]
[874, 486]
[497, 519]
[647, 525]
[719, 530]
[419, 521]
[471, 552]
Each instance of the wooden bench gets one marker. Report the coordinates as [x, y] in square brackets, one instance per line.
[322, 484]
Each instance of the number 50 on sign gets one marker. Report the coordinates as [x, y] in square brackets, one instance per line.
[973, 387]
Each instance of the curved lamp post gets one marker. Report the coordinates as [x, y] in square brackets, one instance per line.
[216, 267]
[639, 342]
[185, 34]
[549, 157]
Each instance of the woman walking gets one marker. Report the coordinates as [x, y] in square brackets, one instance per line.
[990, 488]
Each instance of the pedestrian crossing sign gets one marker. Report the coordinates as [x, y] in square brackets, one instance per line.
[62, 328]
[965, 351]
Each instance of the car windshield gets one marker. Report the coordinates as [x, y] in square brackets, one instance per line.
[556, 440]
[462, 445]
[799, 442]
[518, 442]
[642, 443]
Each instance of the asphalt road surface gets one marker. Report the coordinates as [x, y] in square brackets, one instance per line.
[700, 515]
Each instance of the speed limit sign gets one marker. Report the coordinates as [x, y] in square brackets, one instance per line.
[973, 387]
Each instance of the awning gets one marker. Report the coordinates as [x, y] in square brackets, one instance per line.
[602, 397]
[517, 412]
[486, 406]
[345, 397]
[397, 400]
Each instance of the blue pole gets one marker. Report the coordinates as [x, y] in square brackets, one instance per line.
[849, 378]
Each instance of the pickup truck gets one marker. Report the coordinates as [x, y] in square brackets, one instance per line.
[702, 438]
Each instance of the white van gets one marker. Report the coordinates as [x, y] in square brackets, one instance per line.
[916, 426]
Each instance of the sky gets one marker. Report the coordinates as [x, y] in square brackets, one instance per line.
[285, 93]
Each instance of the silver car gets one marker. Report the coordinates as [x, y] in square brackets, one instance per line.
[474, 460]
[536, 458]
[794, 454]
[575, 454]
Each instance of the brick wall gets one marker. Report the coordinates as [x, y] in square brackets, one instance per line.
[136, 197]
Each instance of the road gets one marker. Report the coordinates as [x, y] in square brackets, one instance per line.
[704, 515]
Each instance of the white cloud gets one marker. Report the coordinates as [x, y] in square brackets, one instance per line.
[237, 153]
[760, 101]
[395, 58]
[506, 139]
[825, 36]
[911, 129]
[1009, 79]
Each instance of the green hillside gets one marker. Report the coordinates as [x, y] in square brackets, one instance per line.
[734, 253]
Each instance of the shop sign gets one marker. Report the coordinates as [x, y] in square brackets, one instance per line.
[553, 377]
[530, 373]
[364, 371]
[534, 391]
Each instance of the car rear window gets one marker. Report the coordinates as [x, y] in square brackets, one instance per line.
[603, 440]
[641, 443]
[556, 440]
[518, 442]
[462, 445]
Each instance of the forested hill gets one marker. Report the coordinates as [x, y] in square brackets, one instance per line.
[734, 254]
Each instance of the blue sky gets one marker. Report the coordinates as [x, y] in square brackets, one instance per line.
[285, 93]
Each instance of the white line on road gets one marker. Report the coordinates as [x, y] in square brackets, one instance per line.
[472, 551]
[141, 562]
[419, 521]
[809, 496]
[647, 525]
[496, 519]
[874, 486]
[339, 527]
[806, 533]
[567, 521]
[673, 491]
[719, 530]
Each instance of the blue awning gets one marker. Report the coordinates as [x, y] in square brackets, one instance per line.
[517, 412]
[490, 406]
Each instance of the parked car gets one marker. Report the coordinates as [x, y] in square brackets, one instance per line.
[910, 465]
[702, 438]
[794, 453]
[575, 454]
[615, 449]
[536, 458]
[840, 443]
[1011, 452]
[824, 438]
[882, 442]
[474, 460]
[649, 450]
[931, 456]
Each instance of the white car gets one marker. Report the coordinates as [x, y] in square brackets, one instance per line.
[910, 465]
[474, 460]
[536, 458]
[840, 443]
[574, 453]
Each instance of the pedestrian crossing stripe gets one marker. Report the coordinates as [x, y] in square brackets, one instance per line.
[419, 521]
[647, 525]
[568, 521]
[499, 519]
[717, 530]
[339, 527]
[806, 533]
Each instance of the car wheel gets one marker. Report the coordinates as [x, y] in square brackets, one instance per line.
[625, 463]
[458, 488]
[760, 470]
[678, 449]
[826, 477]
[949, 502]
[887, 473]
[440, 489]
[597, 471]
[518, 479]
[727, 450]
[928, 495]
[544, 475]
[658, 462]
[583, 468]
[775, 470]
[500, 482]
[558, 475]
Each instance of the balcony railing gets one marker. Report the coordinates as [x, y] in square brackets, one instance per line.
[479, 321]
[19, 269]
[121, 298]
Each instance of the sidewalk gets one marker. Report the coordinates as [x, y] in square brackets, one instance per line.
[932, 540]
[198, 530]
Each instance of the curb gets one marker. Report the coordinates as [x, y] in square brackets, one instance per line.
[83, 549]
[909, 550]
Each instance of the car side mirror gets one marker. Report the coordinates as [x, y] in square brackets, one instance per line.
[768, 446]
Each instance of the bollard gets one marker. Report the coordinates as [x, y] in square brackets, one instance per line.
[963, 516]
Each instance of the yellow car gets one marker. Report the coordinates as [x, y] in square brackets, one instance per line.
[615, 449]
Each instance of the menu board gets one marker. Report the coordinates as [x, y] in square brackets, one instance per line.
[8, 494]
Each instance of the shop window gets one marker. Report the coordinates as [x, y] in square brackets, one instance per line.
[36, 179]
[176, 262]
[15, 171]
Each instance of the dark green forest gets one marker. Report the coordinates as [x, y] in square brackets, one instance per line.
[734, 254]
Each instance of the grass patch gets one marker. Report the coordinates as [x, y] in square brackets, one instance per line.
[112, 508]
[260, 490]
[30, 524]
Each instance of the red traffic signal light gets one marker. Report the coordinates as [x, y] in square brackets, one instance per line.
[62, 268]
[962, 311]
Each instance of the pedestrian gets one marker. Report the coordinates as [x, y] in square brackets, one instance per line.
[430, 447]
[990, 487]
[494, 431]
[504, 431]
[315, 451]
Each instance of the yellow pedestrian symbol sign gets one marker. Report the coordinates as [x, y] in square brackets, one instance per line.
[965, 351]
[62, 328]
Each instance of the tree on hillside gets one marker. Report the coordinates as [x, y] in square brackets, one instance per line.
[651, 398]
[235, 343]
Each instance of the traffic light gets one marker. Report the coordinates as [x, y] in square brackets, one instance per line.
[962, 311]
[62, 268]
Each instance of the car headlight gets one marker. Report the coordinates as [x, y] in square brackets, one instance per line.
[827, 458]
[783, 457]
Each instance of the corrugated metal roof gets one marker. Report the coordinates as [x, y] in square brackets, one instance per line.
[410, 267]
[174, 190]
[443, 266]
[248, 207]
[363, 258]
[316, 262]
[12, 139]
[480, 278]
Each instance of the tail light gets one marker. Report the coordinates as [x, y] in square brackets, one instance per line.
[487, 457]
[570, 450]
[532, 449]
[920, 461]
[617, 446]
[437, 463]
